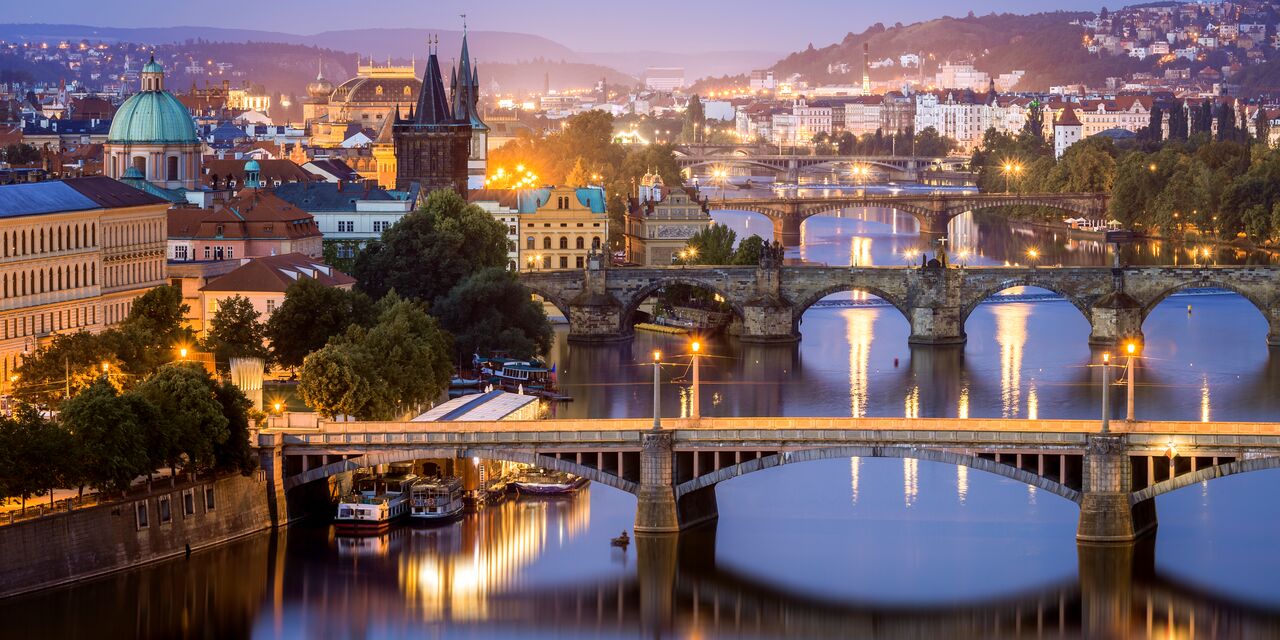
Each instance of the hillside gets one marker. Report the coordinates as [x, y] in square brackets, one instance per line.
[1045, 45]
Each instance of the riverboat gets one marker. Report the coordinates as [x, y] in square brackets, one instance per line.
[530, 376]
[436, 499]
[376, 501]
[545, 483]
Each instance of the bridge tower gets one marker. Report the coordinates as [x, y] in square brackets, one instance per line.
[595, 315]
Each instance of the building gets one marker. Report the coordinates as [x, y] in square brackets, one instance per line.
[432, 145]
[373, 96]
[762, 80]
[660, 222]
[562, 225]
[464, 91]
[349, 214]
[231, 173]
[250, 224]
[263, 281]
[153, 132]
[665, 79]
[504, 206]
[1067, 130]
[74, 254]
[811, 119]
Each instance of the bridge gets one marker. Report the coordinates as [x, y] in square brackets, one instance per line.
[934, 211]
[1114, 477]
[769, 300]
[788, 167]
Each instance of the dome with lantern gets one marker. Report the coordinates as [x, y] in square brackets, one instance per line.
[320, 88]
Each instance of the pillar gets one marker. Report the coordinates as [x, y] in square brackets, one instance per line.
[597, 319]
[768, 321]
[935, 313]
[657, 510]
[271, 460]
[1106, 515]
[786, 229]
[1116, 318]
[933, 224]
[1273, 324]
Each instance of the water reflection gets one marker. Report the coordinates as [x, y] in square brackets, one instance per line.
[858, 334]
[1011, 334]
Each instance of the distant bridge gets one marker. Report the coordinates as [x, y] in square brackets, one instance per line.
[673, 472]
[789, 167]
[934, 211]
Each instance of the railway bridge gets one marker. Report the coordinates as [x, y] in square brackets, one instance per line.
[1114, 477]
[768, 300]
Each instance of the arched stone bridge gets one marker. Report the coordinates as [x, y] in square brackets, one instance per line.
[673, 472]
[769, 301]
[934, 211]
[788, 167]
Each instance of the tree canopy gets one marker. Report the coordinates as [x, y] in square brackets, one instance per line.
[236, 331]
[491, 311]
[310, 314]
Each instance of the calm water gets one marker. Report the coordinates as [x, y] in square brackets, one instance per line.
[837, 548]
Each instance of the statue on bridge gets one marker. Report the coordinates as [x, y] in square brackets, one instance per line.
[772, 255]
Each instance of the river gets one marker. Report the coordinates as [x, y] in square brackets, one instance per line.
[834, 548]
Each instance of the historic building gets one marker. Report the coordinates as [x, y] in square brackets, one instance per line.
[562, 225]
[465, 93]
[363, 102]
[154, 133]
[432, 145]
[660, 221]
[74, 254]
[263, 282]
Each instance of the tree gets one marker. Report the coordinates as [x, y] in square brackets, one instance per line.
[70, 362]
[187, 407]
[337, 381]
[492, 311]
[236, 452]
[1034, 126]
[110, 440]
[235, 331]
[1155, 126]
[153, 330]
[1178, 122]
[713, 245]
[1226, 123]
[1262, 127]
[310, 315]
[750, 251]
[432, 249]
[695, 121]
[579, 176]
[930, 143]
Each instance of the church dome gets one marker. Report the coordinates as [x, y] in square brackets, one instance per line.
[153, 66]
[151, 117]
[320, 88]
[252, 165]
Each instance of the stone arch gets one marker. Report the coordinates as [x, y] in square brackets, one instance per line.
[390, 456]
[971, 303]
[813, 298]
[1206, 281]
[931, 455]
[739, 161]
[1065, 206]
[636, 299]
[1204, 475]
[556, 301]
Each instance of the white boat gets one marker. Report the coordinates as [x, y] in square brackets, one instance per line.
[375, 502]
[436, 499]
[545, 482]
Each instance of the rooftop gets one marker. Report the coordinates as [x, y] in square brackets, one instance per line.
[75, 194]
[275, 274]
[484, 407]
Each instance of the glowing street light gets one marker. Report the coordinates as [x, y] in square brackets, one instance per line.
[1033, 254]
[696, 410]
[657, 398]
[1131, 348]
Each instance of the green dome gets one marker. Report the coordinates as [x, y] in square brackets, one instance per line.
[252, 165]
[153, 67]
[152, 117]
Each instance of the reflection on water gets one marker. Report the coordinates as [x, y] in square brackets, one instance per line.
[1011, 334]
[858, 334]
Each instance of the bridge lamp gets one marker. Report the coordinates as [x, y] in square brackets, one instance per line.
[695, 400]
[657, 398]
[1106, 392]
[1033, 254]
[277, 406]
[182, 353]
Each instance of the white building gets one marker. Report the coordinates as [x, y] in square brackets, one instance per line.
[1067, 131]
[664, 79]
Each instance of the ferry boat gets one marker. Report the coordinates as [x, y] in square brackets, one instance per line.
[376, 502]
[531, 376]
[436, 499]
[543, 482]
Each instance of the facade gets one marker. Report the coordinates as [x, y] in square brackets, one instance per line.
[563, 225]
[251, 224]
[811, 119]
[665, 79]
[660, 222]
[963, 116]
[350, 214]
[263, 281]
[1067, 131]
[366, 101]
[153, 132]
[432, 145]
[74, 254]
[864, 115]
[504, 206]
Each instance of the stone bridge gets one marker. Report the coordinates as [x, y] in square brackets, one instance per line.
[673, 472]
[789, 167]
[934, 211]
[769, 301]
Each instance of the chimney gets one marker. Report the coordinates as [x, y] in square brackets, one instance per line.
[866, 68]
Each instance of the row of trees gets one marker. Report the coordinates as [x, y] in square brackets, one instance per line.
[106, 437]
[926, 143]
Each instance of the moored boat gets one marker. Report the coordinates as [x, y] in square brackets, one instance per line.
[376, 501]
[436, 499]
[544, 482]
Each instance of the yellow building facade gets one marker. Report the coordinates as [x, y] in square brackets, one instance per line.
[562, 226]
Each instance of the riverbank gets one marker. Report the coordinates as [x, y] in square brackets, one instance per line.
[1101, 236]
[165, 522]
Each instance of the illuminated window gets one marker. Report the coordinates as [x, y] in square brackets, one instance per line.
[378, 90]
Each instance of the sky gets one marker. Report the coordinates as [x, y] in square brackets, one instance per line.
[582, 25]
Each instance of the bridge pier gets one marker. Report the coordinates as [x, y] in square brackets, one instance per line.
[1273, 326]
[1106, 514]
[786, 229]
[658, 511]
[1116, 318]
[598, 320]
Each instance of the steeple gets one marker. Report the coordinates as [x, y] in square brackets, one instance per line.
[433, 105]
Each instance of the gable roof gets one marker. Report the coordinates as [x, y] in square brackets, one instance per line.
[276, 273]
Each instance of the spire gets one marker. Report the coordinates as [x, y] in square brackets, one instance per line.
[319, 68]
[433, 105]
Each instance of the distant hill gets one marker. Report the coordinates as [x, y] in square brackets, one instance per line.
[1045, 45]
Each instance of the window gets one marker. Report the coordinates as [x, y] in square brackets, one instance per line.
[171, 168]
[217, 253]
[231, 253]
[595, 243]
[346, 250]
[346, 226]
[208, 498]
[141, 516]
[546, 262]
[564, 262]
[579, 261]
[579, 242]
[218, 231]
[166, 513]
[381, 225]
[271, 307]
[207, 252]
[529, 243]
[189, 502]
[180, 252]
[546, 242]
[564, 242]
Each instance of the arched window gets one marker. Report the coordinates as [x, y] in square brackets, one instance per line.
[595, 243]
[529, 244]
[579, 243]
[171, 168]
[564, 242]
[546, 242]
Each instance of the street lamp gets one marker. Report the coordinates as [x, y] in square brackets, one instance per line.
[1132, 348]
[1106, 392]
[696, 411]
[1032, 255]
[657, 399]
[182, 353]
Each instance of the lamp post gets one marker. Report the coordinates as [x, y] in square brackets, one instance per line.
[657, 398]
[1106, 393]
[1129, 409]
[696, 411]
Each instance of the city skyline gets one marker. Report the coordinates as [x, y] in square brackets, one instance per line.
[678, 27]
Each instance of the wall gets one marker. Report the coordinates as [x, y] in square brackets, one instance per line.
[81, 544]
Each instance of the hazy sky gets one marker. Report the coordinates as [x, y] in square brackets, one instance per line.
[583, 25]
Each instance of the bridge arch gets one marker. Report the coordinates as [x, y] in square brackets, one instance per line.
[1204, 475]
[813, 298]
[733, 161]
[390, 456]
[556, 301]
[931, 455]
[1055, 203]
[1205, 282]
[980, 295]
[633, 302]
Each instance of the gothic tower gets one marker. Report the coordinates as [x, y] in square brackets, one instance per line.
[432, 145]
[466, 107]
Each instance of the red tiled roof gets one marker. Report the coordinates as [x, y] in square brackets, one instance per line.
[276, 273]
[252, 214]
